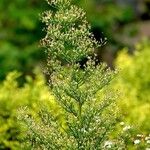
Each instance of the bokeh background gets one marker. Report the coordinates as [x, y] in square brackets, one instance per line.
[122, 25]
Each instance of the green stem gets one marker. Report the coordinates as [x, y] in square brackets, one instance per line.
[80, 125]
[80, 112]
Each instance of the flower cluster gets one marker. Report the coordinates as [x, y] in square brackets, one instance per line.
[68, 35]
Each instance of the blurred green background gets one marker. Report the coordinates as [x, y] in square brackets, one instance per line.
[125, 23]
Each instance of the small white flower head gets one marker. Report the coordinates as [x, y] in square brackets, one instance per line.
[147, 138]
[122, 123]
[148, 142]
[126, 128]
[108, 144]
[137, 141]
[139, 135]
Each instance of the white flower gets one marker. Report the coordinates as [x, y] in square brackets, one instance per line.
[147, 138]
[126, 128]
[108, 144]
[139, 135]
[121, 123]
[148, 141]
[137, 141]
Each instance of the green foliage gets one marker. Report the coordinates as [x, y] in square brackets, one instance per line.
[12, 97]
[19, 34]
[89, 120]
[134, 82]
[106, 17]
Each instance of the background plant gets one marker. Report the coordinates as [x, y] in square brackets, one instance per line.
[19, 36]
[12, 97]
[133, 81]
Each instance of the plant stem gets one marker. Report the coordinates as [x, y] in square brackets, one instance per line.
[80, 112]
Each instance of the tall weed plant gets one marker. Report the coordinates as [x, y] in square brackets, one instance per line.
[88, 120]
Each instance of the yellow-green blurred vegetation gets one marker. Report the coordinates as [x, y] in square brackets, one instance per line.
[32, 94]
[133, 82]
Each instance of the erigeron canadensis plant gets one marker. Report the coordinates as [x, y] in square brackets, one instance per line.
[88, 119]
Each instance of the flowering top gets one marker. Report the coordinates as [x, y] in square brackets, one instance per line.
[68, 37]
